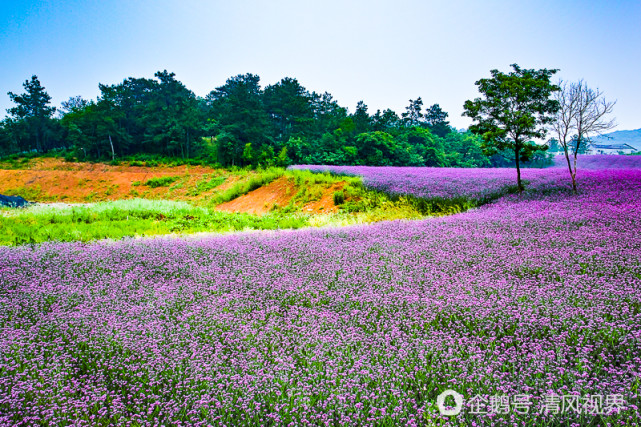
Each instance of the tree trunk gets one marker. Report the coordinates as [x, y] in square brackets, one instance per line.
[518, 170]
[113, 153]
[187, 144]
[573, 173]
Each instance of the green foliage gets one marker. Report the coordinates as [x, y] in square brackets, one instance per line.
[154, 121]
[339, 198]
[435, 118]
[163, 181]
[244, 186]
[413, 116]
[32, 192]
[515, 108]
[30, 125]
[376, 148]
[124, 218]
[207, 183]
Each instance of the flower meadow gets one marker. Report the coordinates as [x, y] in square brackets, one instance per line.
[536, 294]
[440, 183]
[481, 184]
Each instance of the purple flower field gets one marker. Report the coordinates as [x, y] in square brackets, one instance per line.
[445, 183]
[476, 183]
[536, 295]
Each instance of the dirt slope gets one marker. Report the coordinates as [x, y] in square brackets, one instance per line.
[280, 193]
[263, 199]
[55, 180]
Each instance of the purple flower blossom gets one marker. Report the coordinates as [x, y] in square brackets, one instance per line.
[357, 325]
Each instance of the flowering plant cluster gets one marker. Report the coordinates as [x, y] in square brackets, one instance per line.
[536, 296]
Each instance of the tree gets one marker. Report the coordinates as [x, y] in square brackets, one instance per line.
[90, 128]
[74, 103]
[413, 116]
[172, 117]
[288, 105]
[427, 146]
[361, 118]
[126, 105]
[328, 115]
[33, 115]
[387, 121]
[6, 143]
[436, 120]
[515, 108]
[553, 145]
[238, 108]
[465, 150]
[582, 113]
[376, 148]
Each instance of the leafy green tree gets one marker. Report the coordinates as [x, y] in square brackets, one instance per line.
[515, 108]
[427, 146]
[248, 154]
[553, 145]
[436, 120]
[328, 115]
[93, 132]
[7, 145]
[289, 107]
[237, 107]
[386, 121]
[74, 103]
[283, 159]
[413, 116]
[362, 120]
[376, 148]
[172, 118]
[126, 105]
[464, 150]
[267, 156]
[32, 121]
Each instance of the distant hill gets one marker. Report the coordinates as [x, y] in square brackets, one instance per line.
[630, 137]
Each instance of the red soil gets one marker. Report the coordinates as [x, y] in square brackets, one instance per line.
[280, 193]
[326, 202]
[56, 180]
[263, 199]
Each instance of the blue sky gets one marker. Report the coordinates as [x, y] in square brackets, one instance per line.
[381, 52]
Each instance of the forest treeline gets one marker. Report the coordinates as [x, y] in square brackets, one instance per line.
[237, 124]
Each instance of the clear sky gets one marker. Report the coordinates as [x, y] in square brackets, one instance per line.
[381, 52]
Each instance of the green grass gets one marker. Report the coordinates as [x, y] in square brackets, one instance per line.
[248, 182]
[140, 217]
[207, 183]
[163, 181]
[30, 193]
[124, 218]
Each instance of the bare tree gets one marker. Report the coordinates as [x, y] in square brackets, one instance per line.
[583, 113]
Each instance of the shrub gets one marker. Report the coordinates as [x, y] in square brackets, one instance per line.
[339, 198]
[163, 181]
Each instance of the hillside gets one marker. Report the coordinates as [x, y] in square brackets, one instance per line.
[630, 137]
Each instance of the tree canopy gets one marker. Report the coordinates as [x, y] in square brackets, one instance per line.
[239, 123]
[514, 109]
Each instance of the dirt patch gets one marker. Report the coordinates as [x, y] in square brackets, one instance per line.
[53, 179]
[280, 193]
[326, 203]
[263, 199]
